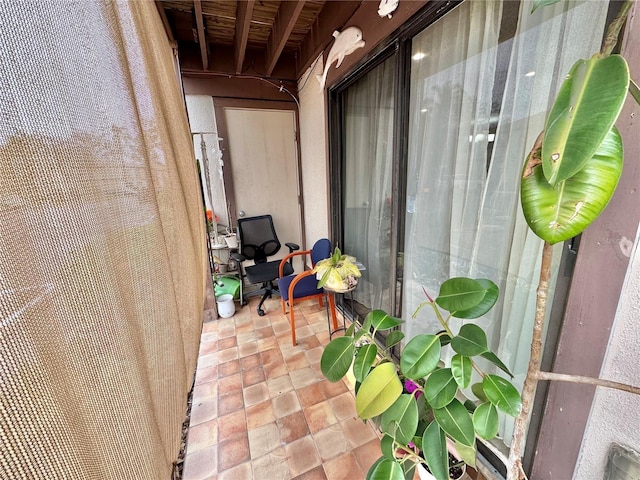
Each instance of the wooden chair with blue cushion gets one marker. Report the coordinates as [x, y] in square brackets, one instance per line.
[303, 286]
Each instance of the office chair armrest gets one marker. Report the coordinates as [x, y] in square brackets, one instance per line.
[292, 246]
[238, 257]
[289, 258]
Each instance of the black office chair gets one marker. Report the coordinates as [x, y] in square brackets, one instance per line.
[258, 241]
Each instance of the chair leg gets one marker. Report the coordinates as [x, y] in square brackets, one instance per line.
[267, 294]
[283, 305]
[293, 324]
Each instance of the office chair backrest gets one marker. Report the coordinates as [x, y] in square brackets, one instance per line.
[321, 250]
[258, 239]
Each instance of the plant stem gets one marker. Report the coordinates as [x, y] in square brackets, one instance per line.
[531, 381]
[611, 38]
[444, 324]
[563, 377]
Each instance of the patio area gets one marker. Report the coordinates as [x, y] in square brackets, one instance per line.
[262, 408]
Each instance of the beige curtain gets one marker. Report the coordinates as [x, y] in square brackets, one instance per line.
[102, 255]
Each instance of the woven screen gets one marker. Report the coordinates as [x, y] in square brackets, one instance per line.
[102, 259]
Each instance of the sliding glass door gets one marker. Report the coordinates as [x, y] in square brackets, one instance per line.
[367, 180]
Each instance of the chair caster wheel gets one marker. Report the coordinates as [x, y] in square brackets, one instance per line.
[261, 312]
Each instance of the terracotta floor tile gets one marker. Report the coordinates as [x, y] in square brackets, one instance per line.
[265, 332]
[276, 370]
[310, 395]
[228, 354]
[303, 377]
[304, 331]
[231, 425]
[228, 342]
[232, 383]
[270, 357]
[343, 467]
[248, 349]
[209, 326]
[239, 472]
[263, 440]
[250, 361]
[256, 394]
[302, 456]
[314, 474]
[293, 427]
[262, 322]
[271, 466]
[367, 454]
[319, 416]
[228, 368]
[202, 436]
[357, 432]
[203, 411]
[344, 406]
[278, 386]
[332, 389]
[267, 343]
[260, 414]
[209, 337]
[204, 392]
[205, 375]
[285, 404]
[201, 465]
[314, 355]
[297, 362]
[280, 327]
[252, 376]
[233, 452]
[230, 403]
[226, 331]
[208, 347]
[331, 442]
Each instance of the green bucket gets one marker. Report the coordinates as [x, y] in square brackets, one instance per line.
[228, 285]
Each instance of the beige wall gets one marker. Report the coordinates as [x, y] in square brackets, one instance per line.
[314, 155]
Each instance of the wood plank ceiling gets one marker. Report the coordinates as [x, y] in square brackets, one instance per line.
[269, 39]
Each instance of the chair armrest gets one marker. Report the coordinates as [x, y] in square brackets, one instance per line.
[299, 277]
[292, 246]
[289, 258]
[238, 257]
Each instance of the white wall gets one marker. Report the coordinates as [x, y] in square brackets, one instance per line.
[314, 155]
[202, 119]
[614, 416]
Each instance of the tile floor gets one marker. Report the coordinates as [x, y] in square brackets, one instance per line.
[262, 408]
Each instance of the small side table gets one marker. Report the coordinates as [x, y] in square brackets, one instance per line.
[332, 318]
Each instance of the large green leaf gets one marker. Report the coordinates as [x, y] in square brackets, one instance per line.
[587, 106]
[490, 297]
[460, 293]
[393, 338]
[493, 358]
[409, 469]
[364, 360]
[385, 469]
[477, 390]
[467, 454]
[557, 214]
[440, 388]
[401, 419]
[461, 369]
[388, 446]
[420, 356]
[336, 358]
[502, 394]
[380, 320]
[379, 391]
[456, 421]
[434, 447]
[470, 341]
[485, 421]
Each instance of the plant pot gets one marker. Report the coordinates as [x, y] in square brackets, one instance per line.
[226, 307]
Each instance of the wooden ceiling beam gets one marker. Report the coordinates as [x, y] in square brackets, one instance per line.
[334, 15]
[202, 39]
[243, 20]
[285, 21]
[165, 23]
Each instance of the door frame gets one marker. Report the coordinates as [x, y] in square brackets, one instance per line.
[219, 105]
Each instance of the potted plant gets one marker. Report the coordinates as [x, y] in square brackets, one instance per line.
[338, 273]
[418, 403]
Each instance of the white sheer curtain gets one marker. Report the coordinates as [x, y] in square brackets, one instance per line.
[367, 186]
[470, 91]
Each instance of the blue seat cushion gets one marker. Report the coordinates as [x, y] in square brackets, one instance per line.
[304, 288]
